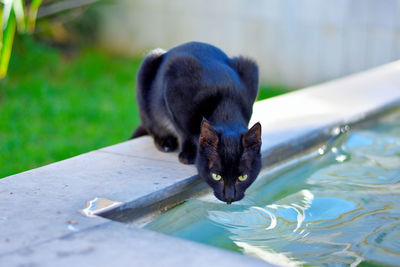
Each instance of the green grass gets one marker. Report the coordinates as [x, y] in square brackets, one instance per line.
[53, 107]
[271, 91]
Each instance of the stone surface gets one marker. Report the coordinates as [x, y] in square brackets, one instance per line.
[38, 205]
[40, 222]
[116, 244]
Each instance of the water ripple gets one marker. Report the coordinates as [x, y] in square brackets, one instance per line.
[340, 209]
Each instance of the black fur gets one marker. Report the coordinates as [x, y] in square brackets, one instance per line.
[195, 97]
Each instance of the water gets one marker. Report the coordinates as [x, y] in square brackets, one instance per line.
[340, 208]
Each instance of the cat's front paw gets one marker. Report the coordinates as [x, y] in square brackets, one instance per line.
[166, 144]
[187, 157]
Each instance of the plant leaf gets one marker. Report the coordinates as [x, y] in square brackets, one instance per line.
[18, 8]
[32, 14]
[6, 12]
[1, 28]
[8, 38]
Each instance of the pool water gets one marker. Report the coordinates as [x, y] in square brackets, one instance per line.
[342, 207]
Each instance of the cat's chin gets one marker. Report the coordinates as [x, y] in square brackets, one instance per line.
[228, 202]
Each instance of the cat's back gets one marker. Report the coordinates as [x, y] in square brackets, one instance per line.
[201, 62]
[205, 53]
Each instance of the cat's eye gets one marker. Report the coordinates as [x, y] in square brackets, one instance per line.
[242, 177]
[216, 177]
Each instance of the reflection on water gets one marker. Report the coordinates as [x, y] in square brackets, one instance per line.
[341, 208]
[98, 205]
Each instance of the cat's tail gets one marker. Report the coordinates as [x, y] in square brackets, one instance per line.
[140, 131]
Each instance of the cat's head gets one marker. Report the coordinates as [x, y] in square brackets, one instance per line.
[229, 162]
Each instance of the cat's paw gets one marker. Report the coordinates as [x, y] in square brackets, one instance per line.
[166, 144]
[187, 157]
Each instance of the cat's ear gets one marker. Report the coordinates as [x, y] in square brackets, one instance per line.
[208, 143]
[208, 136]
[252, 138]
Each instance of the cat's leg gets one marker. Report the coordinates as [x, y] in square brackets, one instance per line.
[247, 70]
[188, 152]
[166, 143]
[145, 95]
[181, 78]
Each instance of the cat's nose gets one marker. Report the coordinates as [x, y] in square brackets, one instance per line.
[229, 195]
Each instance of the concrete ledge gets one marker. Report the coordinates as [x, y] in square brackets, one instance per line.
[116, 244]
[40, 207]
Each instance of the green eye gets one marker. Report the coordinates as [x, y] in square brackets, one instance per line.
[242, 177]
[216, 177]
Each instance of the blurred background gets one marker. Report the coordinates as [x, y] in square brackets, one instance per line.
[68, 67]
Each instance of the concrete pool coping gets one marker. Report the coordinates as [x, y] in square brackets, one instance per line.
[40, 217]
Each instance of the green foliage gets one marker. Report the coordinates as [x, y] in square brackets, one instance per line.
[267, 91]
[54, 106]
[13, 16]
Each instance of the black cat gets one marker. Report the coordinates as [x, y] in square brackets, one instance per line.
[197, 97]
